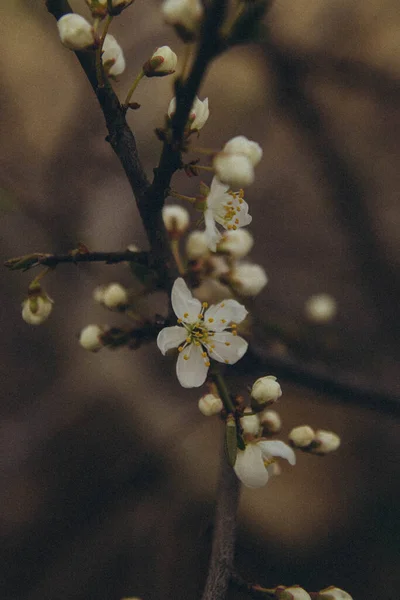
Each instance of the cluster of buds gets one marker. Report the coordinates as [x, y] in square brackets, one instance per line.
[319, 442]
[113, 296]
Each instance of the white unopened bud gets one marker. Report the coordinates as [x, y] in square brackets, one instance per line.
[163, 62]
[186, 15]
[198, 115]
[90, 338]
[250, 423]
[75, 32]
[241, 145]
[325, 442]
[98, 293]
[321, 308]
[112, 57]
[36, 308]
[133, 248]
[302, 436]
[176, 219]
[333, 593]
[210, 405]
[292, 593]
[236, 242]
[248, 279]
[235, 170]
[270, 420]
[115, 295]
[196, 245]
[266, 390]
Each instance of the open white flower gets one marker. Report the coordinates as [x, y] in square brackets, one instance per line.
[255, 464]
[202, 333]
[227, 208]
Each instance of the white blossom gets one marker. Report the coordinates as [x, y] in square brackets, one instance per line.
[176, 218]
[235, 170]
[236, 242]
[248, 279]
[250, 423]
[196, 245]
[293, 592]
[115, 295]
[254, 465]
[202, 333]
[226, 208]
[112, 57]
[163, 62]
[302, 436]
[210, 405]
[36, 308]
[90, 338]
[321, 308]
[75, 32]
[186, 14]
[270, 420]
[198, 115]
[241, 145]
[333, 593]
[325, 442]
[266, 390]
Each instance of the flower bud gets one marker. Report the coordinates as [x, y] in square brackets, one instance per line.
[321, 308]
[270, 420]
[198, 115]
[184, 15]
[302, 436]
[333, 593]
[325, 442]
[265, 390]
[196, 245]
[37, 307]
[210, 405]
[236, 242]
[248, 279]
[163, 62]
[75, 32]
[115, 295]
[112, 57]
[250, 423]
[176, 219]
[90, 338]
[241, 145]
[98, 293]
[235, 170]
[291, 593]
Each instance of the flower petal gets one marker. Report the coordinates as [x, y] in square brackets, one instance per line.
[226, 347]
[191, 371]
[249, 467]
[171, 337]
[183, 302]
[277, 448]
[218, 188]
[212, 234]
[224, 313]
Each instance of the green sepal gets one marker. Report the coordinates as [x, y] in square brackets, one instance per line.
[231, 440]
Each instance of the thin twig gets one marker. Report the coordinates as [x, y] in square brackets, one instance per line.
[52, 260]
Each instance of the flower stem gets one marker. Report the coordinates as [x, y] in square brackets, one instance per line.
[222, 389]
[204, 168]
[190, 199]
[177, 256]
[133, 87]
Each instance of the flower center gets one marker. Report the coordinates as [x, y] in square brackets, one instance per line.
[229, 212]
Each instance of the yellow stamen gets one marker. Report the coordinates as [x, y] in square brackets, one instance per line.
[207, 363]
[227, 343]
[180, 348]
[210, 320]
[186, 315]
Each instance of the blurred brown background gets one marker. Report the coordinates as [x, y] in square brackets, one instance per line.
[108, 470]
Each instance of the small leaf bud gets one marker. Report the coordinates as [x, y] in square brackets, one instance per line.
[293, 592]
[325, 442]
[250, 423]
[176, 219]
[75, 32]
[37, 307]
[248, 279]
[265, 390]
[321, 308]
[163, 62]
[89, 338]
[196, 245]
[301, 436]
[236, 242]
[333, 593]
[112, 57]
[115, 295]
[270, 420]
[210, 405]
